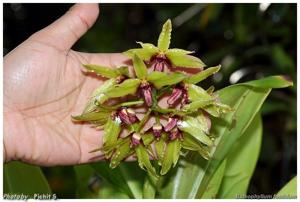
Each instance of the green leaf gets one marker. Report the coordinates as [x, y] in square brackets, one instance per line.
[125, 178]
[20, 178]
[112, 130]
[215, 182]
[122, 151]
[191, 143]
[84, 173]
[197, 93]
[171, 156]
[160, 79]
[182, 60]
[192, 126]
[164, 38]
[107, 72]
[127, 87]
[139, 67]
[148, 189]
[280, 81]
[109, 191]
[99, 96]
[144, 159]
[289, 191]
[246, 101]
[196, 78]
[134, 178]
[238, 172]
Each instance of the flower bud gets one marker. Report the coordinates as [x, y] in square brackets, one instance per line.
[175, 96]
[127, 116]
[172, 122]
[157, 128]
[147, 93]
[135, 140]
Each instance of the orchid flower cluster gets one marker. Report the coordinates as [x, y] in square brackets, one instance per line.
[156, 110]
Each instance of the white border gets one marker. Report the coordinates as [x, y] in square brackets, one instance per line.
[153, 1]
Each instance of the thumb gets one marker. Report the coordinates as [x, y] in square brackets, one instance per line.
[65, 31]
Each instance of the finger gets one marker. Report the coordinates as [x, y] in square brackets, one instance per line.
[65, 31]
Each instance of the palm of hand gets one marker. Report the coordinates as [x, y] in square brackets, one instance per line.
[43, 87]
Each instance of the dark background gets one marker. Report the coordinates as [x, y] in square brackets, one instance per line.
[249, 41]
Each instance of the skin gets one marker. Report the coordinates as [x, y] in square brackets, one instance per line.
[44, 85]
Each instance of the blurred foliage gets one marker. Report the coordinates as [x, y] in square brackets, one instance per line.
[249, 40]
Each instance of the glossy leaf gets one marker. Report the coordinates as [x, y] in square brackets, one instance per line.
[112, 130]
[134, 177]
[121, 178]
[99, 96]
[139, 67]
[272, 82]
[20, 178]
[182, 60]
[107, 72]
[289, 191]
[160, 79]
[144, 159]
[192, 126]
[246, 101]
[171, 156]
[202, 75]
[215, 182]
[238, 172]
[164, 38]
[127, 87]
[84, 174]
[108, 191]
[149, 189]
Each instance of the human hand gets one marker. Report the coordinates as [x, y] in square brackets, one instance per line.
[43, 87]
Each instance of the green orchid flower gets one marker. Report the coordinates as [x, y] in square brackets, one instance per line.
[161, 57]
